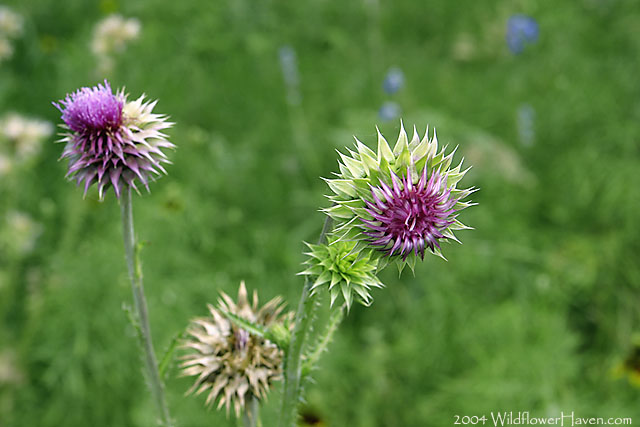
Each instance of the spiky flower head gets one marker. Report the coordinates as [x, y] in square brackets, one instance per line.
[344, 272]
[398, 203]
[111, 141]
[229, 362]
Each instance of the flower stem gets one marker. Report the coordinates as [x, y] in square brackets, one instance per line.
[140, 303]
[251, 415]
[293, 365]
[334, 321]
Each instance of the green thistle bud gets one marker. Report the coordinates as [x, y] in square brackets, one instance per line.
[397, 202]
[343, 271]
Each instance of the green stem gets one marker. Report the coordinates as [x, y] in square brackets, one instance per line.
[140, 303]
[293, 365]
[251, 415]
[334, 321]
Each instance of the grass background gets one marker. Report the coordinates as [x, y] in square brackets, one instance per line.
[533, 312]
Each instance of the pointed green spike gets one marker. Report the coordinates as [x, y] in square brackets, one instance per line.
[415, 139]
[363, 149]
[384, 151]
[421, 150]
[322, 279]
[335, 279]
[403, 160]
[334, 295]
[402, 143]
[411, 262]
[355, 167]
[438, 252]
[364, 295]
[342, 187]
[346, 294]
[449, 235]
[400, 266]
[369, 163]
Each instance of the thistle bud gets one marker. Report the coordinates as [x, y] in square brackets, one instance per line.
[344, 272]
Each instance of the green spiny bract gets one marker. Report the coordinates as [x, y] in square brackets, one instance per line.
[397, 202]
[342, 271]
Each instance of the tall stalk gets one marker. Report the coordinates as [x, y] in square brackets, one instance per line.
[140, 303]
[293, 365]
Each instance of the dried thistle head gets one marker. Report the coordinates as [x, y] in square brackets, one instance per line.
[230, 363]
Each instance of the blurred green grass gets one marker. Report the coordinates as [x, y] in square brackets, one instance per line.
[533, 312]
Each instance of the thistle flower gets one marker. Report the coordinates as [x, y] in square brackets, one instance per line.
[20, 234]
[6, 50]
[337, 266]
[111, 141]
[408, 217]
[112, 34]
[398, 202]
[24, 134]
[10, 23]
[231, 363]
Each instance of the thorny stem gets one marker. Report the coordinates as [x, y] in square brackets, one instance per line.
[140, 303]
[325, 339]
[293, 365]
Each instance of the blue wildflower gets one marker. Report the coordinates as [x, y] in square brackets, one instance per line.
[289, 65]
[526, 117]
[393, 81]
[289, 68]
[521, 30]
[389, 111]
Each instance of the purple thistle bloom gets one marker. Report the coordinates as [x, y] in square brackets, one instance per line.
[521, 29]
[92, 110]
[112, 142]
[408, 217]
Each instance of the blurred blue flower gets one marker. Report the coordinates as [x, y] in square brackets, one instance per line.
[393, 81]
[289, 68]
[289, 65]
[526, 117]
[521, 29]
[389, 111]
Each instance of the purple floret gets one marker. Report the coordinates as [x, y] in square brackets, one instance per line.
[92, 109]
[409, 218]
